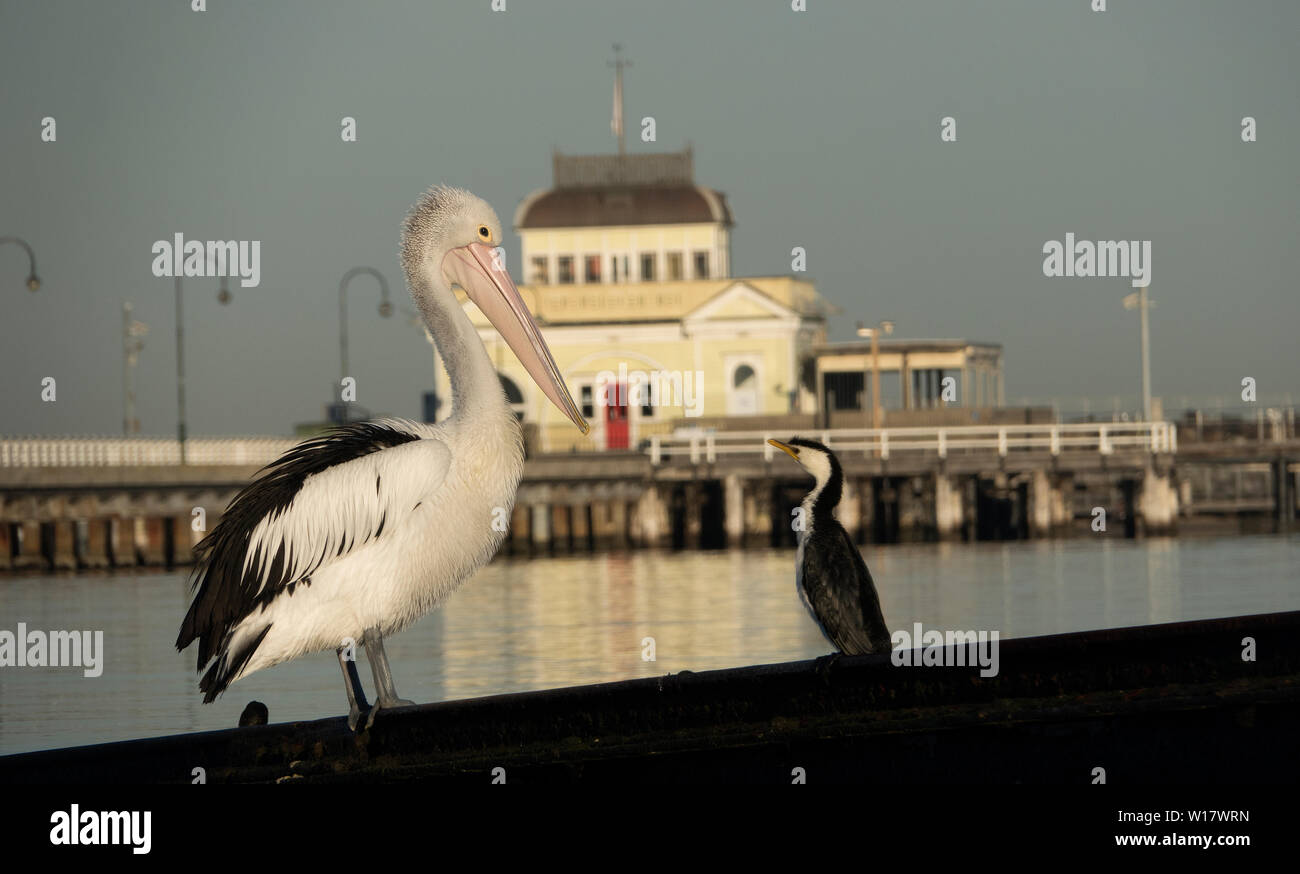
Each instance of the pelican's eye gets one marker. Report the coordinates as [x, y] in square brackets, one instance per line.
[484, 232]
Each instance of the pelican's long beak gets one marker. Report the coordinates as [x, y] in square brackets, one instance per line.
[789, 450]
[477, 269]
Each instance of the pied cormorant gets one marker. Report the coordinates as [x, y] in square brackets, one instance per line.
[832, 578]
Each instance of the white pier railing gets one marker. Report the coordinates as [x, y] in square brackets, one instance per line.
[1102, 438]
[139, 451]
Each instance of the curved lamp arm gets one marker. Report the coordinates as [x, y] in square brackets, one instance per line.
[33, 281]
[385, 309]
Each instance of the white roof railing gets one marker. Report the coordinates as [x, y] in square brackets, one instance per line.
[1101, 438]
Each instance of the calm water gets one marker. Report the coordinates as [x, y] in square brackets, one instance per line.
[545, 623]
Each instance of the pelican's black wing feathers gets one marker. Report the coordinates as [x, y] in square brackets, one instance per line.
[230, 582]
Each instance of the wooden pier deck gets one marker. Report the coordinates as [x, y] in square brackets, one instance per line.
[1173, 703]
[97, 503]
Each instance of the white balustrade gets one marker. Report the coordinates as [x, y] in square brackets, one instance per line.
[139, 451]
[1101, 438]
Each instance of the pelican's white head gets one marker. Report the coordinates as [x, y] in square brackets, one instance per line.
[443, 219]
[456, 236]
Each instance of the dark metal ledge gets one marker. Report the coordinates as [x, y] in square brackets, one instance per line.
[1170, 703]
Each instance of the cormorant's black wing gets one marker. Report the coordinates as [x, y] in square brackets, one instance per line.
[873, 618]
[842, 594]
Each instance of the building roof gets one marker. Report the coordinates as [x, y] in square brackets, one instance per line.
[855, 355]
[619, 190]
[610, 207]
[860, 347]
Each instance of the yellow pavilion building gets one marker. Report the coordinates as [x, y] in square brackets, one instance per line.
[626, 263]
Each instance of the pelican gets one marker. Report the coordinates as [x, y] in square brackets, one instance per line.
[349, 537]
[830, 574]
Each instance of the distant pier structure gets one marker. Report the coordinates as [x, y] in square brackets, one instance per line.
[77, 503]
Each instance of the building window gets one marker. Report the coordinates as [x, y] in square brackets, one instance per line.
[640, 395]
[701, 265]
[588, 408]
[540, 274]
[674, 265]
[844, 391]
[593, 268]
[648, 267]
[566, 269]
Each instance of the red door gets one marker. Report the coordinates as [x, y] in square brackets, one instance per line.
[616, 416]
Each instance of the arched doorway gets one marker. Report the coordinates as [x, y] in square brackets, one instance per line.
[742, 393]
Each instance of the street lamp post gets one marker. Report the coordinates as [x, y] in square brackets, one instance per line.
[224, 296]
[385, 310]
[417, 321]
[1138, 300]
[132, 342]
[180, 373]
[874, 333]
[33, 281]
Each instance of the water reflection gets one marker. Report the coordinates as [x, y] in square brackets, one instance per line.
[565, 621]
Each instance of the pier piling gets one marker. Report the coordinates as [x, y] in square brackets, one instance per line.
[948, 500]
[121, 541]
[93, 544]
[62, 544]
[1157, 503]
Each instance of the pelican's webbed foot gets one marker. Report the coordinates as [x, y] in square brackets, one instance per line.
[385, 704]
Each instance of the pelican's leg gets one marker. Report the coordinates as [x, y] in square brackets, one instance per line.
[356, 695]
[378, 659]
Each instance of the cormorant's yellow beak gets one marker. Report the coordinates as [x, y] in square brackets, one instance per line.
[789, 450]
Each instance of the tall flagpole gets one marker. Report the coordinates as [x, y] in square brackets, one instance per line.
[616, 123]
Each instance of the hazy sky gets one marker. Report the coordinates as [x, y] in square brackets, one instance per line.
[822, 127]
